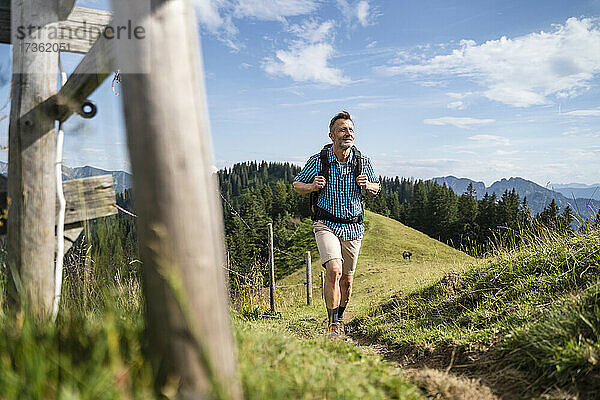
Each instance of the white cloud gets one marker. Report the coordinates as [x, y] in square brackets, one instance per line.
[457, 122]
[505, 153]
[217, 16]
[594, 112]
[307, 58]
[331, 100]
[208, 14]
[306, 62]
[490, 140]
[431, 83]
[345, 9]
[456, 105]
[273, 10]
[522, 71]
[456, 95]
[312, 31]
[362, 12]
[372, 44]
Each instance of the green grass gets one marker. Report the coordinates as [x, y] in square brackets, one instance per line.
[275, 364]
[96, 351]
[82, 356]
[534, 310]
[505, 292]
[291, 352]
[381, 271]
[562, 347]
[536, 307]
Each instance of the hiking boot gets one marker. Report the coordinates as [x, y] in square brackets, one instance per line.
[333, 330]
[341, 331]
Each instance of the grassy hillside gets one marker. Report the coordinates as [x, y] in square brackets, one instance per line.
[381, 270]
[529, 318]
[527, 322]
[289, 356]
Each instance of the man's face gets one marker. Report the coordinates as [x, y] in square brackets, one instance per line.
[342, 134]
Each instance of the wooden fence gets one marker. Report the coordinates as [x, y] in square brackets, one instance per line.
[179, 222]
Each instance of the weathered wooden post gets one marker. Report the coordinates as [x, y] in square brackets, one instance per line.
[31, 150]
[323, 285]
[308, 279]
[180, 218]
[271, 267]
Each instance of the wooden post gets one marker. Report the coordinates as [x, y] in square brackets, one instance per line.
[31, 154]
[272, 267]
[308, 279]
[323, 285]
[180, 220]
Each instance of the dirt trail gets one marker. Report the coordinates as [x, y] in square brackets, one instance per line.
[449, 374]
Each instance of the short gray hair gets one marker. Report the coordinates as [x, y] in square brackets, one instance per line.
[341, 115]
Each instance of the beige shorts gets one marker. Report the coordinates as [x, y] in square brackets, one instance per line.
[332, 247]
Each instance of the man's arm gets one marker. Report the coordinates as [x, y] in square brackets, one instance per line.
[304, 188]
[372, 188]
[368, 180]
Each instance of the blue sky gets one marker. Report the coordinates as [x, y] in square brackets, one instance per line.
[484, 89]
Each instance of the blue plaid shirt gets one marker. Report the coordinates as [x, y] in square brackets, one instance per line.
[340, 196]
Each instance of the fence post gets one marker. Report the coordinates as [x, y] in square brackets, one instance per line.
[272, 267]
[180, 217]
[31, 157]
[323, 285]
[308, 279]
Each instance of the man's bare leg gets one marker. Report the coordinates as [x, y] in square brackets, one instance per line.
[346, 292]
[345, 289]
[333, 273]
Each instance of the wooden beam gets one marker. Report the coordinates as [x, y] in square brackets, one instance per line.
[82, 28]
[87, 198]
[32, 184]
[65, 7]
[95, 67]
[78, 31]
[180, 220]
[71, 235]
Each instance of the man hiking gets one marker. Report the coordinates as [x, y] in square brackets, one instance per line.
[334, 178]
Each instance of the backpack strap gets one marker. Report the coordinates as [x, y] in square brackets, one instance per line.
[314, 196]
[356, 162]
[324, 157]
[356, 172]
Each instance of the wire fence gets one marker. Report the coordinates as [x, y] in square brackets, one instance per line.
[237, 214]
[247, 279]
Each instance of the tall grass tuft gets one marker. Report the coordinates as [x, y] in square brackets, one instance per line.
[506, 291]
[562, 347]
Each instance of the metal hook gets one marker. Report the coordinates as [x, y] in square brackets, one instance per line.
[92, 112]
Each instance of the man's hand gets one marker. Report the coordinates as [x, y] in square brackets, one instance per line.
[305, 188]
[362, 181]
[318, 183]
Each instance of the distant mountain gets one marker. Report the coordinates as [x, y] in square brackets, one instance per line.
[121, 180]
[538, 197]
[592, 192]
[573, 185]
[459, 185]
